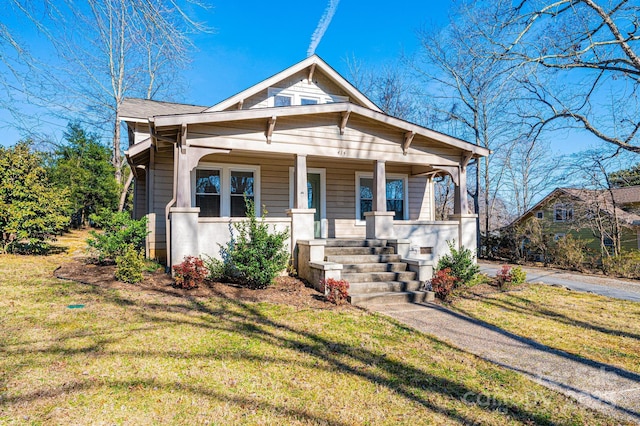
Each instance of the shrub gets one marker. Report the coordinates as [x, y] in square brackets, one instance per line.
[508, 276]
[119, 231]
[443, 283]
[570, 253]
[460, 262]
[336, 291]
[626, 264]
[257, 255]
[129, 265]
[190, 273]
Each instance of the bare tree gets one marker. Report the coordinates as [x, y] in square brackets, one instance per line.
[105, 51]
[582, 62]
[468, 86]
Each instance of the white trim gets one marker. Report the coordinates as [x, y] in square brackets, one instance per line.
[225, 186]
[323, 189]
[405, 192]
[320, 66]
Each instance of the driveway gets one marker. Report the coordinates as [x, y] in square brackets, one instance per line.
[610, 287]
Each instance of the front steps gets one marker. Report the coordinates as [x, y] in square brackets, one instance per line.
[376, 275]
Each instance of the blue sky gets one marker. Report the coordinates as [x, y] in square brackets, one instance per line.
[256, 39]
[253, 40]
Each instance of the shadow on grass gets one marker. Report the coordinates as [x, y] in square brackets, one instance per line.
[413, 383]
[549, 314]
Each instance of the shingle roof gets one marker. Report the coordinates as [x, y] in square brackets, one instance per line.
[145, 108]
[603, 200]
[627, 195]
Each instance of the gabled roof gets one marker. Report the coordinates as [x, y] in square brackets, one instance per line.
[602, 197]
[139, 110]
[315, 64]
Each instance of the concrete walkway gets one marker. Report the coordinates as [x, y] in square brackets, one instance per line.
[600, 386]
[610, 287]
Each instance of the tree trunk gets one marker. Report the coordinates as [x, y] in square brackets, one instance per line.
[124, 192]
[117, 158]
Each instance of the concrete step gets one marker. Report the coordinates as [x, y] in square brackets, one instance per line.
[387, 298]
[356, 243]
[345, 251]
[383, 287]
[374, 267]
[368, 277]
[370, 258]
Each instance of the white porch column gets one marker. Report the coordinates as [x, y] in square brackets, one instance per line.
[460, 203]
[379, 220]
[301, 198]
[183, 194]
[301, 215]
[466, 222]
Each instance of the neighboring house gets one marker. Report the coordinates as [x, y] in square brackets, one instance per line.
[323, 159]
[589, 215]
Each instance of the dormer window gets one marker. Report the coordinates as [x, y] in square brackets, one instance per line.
[281, 100]
[297, 95]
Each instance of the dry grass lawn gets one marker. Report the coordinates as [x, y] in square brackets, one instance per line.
[595, 327]
[143, 357]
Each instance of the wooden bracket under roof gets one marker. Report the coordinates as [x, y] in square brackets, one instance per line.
[270, 127]
[240, 103]
[408, 138]
[312, 69]
[465, 160]
[345, 119]
[182, 137]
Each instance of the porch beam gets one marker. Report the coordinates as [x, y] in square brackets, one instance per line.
[408, 138]
[270, 126]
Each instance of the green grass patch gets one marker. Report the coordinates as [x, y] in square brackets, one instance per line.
[141, 357]
[599, 328]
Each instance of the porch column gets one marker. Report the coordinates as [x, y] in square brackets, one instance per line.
[301, 215]
[466, 222]
[183, 217]
[379, 220]
[300, 200]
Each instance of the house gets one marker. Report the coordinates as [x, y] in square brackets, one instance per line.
[322, 158]
[589, 215]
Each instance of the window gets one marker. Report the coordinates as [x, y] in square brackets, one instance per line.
[608, 245]
[241, 187]
[396, 195]
[563, 213]
[208, 192]
[220, 189]
[540, 215]
[281, 101]
[308, 101]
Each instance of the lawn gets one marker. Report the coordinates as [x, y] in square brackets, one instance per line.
[143, 357]
[599, 328]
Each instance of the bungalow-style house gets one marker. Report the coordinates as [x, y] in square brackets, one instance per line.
[589, 215]
[322, 158]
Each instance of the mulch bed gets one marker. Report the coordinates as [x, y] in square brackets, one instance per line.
[286, 290]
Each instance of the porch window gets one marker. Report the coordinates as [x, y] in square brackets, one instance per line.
[208, 192]
[563, 213]
[241, 187]
[396, 196]
[220, 189]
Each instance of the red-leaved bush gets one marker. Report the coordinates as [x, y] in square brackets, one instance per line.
[190, 273]
[443, 283]
[336, 291]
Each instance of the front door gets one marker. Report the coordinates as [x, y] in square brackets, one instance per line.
[314, 190]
